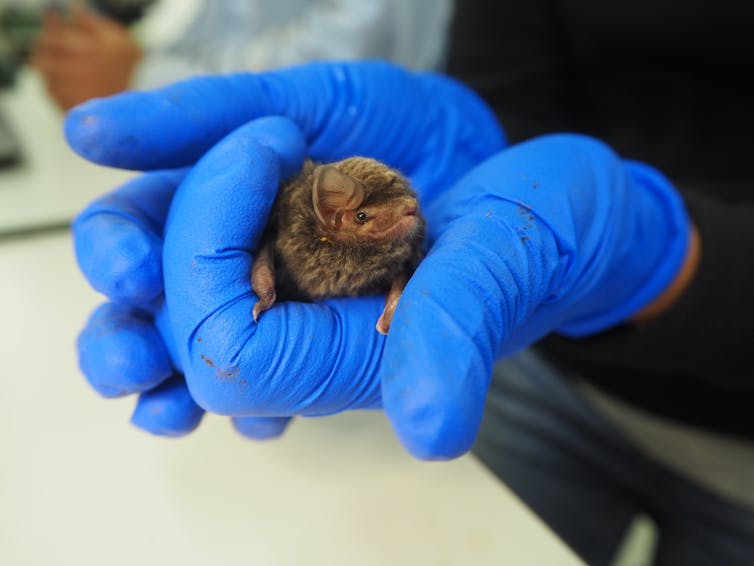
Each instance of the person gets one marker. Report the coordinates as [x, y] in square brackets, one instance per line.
[625, 261]
[89, 54]
[652, 417]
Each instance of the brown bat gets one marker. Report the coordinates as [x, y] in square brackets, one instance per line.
[341, 229]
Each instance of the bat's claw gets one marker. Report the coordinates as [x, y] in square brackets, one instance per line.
[386, 318]
[382, 326]
[266, 300]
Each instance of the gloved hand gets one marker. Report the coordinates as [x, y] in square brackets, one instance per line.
[555, 234]
[428, 126]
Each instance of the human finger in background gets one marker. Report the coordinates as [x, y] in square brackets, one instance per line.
[56, 38]
[84, 55]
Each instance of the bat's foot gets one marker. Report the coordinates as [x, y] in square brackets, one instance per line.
[266, 300]
[263, 280]
[382, 326]
[383, 323]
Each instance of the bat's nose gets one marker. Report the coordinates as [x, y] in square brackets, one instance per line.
[410, 208]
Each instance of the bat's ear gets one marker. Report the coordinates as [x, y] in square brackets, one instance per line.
[334, 193]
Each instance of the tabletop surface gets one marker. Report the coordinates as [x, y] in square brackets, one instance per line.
[79, 485]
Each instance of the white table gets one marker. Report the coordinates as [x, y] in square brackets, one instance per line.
[80, 486]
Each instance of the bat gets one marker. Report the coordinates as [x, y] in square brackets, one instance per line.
[341, 229]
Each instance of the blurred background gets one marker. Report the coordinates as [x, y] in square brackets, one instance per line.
[78, 484]
[21, 21]
[55, 55]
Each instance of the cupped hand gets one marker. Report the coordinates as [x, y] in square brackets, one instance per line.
[557, 234]
[430, 127]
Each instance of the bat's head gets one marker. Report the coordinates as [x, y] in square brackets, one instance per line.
[362, 200]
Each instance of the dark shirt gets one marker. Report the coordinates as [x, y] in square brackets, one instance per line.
[671, 84]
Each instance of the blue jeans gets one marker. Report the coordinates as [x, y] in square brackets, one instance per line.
[583, 477]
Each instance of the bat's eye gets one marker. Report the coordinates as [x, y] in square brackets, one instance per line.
[361, 217]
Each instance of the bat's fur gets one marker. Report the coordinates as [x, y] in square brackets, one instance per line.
[314, 260]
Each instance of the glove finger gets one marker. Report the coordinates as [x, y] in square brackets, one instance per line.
[428, 126]
[261, 428]
[121, 352]
[300, 358]
[118, 238]
[445, 337]
[167, 410]
[174, 126]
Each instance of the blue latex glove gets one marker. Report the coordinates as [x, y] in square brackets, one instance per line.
[556, 234]
[428, 126]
